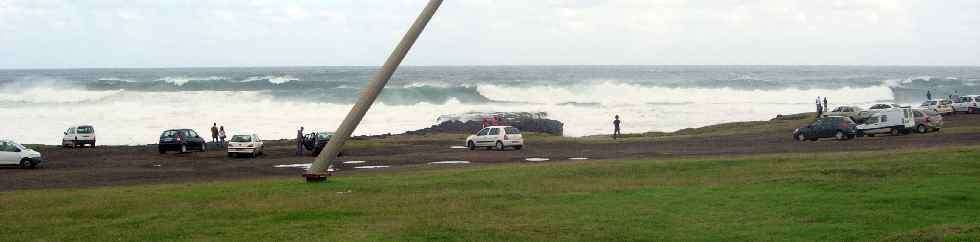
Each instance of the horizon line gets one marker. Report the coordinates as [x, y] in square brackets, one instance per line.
[500, 65]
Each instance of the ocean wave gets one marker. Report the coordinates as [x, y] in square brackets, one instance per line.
[271, 79]
[614, 93]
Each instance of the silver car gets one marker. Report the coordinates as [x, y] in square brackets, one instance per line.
[855, 113]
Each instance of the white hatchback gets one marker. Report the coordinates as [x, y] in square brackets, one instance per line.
[12, 153]
[80, 135]
[249, 144]
[496, 137]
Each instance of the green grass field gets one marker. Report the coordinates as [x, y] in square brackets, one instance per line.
[869, 196]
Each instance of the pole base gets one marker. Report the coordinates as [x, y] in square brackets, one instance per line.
[316, 177]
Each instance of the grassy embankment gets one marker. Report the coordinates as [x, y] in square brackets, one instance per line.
[890, 195]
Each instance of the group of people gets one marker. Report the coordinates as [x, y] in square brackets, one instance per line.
[218, 135]
[490, 122]
[822, 108]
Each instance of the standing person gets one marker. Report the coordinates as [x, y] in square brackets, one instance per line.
[221, 135]
[214, 133]
[299, 141]
[825, 106]
[486, 123]
[819, 108]
[494, 121]
[616, 123]
[928, 95]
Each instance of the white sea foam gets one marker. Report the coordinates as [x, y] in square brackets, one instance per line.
[39, 114]
[271, 79]
[180, 81]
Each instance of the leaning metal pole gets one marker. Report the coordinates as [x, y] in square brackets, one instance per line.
[318, 171]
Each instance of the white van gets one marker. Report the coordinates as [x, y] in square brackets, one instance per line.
[894, 121]
[80, 135]
[12, 153]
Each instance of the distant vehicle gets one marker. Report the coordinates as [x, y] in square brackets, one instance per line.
[12, 153]
[894, 121]
[927, 120]
[80, 135]
[181, 140]
[967, 104]
[837, 127]
[249, 144]
[855, 113]
[883, 106]
[496, 137]
[316, 141]
[941, 106]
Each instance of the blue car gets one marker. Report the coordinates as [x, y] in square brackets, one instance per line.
[837, 127]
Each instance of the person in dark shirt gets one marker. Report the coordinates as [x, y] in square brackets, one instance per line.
[616, 123]
[299, 142]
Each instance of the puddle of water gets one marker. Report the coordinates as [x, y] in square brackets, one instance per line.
[370, 167]
[458, 147]
[305, 166]
[537, 159]
[450, 162]
[355, 162]
[578, 158]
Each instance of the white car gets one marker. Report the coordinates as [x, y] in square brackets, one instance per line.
[967, 104]
[80, 135]
[496, 137]
[249, 144]
[12, 153]
[941, 106]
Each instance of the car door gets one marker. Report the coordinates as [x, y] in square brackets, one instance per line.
[8, 156]
[481, 137]
[69, 135]
[493, 136]
[194, 140]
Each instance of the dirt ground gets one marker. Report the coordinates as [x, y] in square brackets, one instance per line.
[127, 165]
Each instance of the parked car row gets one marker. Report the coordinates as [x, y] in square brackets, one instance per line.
[846, 123]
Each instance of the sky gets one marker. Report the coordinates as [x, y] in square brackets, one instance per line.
[190, 33]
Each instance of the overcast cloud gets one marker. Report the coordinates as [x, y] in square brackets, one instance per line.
[132, 33]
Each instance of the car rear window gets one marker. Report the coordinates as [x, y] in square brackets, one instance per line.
[86, 130]
[241, 138]
[168, 134]
[930, 112]
[512, 130]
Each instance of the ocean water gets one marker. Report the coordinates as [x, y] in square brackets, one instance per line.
[132, 106]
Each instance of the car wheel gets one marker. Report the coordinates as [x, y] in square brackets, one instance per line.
[839, 135]
[25, 163]
[231, 154]
[801, 137]
[161, 150]
[921, 129]
[500, 146]
[895, 132]
[471, 145]
[519, 147]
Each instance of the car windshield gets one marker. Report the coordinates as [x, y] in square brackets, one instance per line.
[85, 130]
[324, 135]
[21, 147]
[241, 138]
